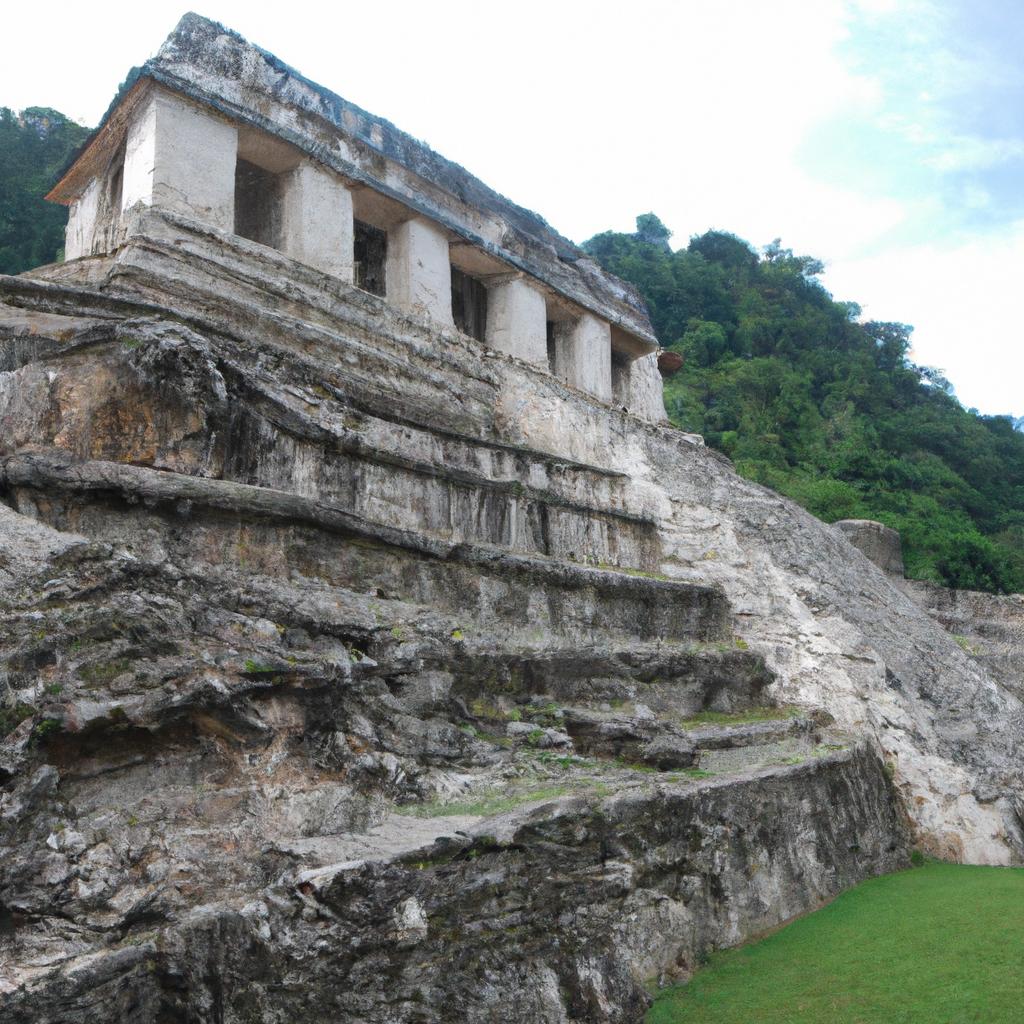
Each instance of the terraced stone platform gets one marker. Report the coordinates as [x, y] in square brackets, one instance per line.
[299, 667]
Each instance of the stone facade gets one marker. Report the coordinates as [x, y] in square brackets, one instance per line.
[876, 541]
[989, 627]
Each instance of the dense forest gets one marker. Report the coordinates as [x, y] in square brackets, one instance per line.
[34, 146]
[806, 398]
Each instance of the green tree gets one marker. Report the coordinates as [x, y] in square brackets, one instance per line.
[809, 400]
[34, 146]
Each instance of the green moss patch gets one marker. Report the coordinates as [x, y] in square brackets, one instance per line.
[12, 715]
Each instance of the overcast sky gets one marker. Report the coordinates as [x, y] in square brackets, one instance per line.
[885, 137]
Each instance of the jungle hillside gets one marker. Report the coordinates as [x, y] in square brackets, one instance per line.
[34, 146]
[807, 398]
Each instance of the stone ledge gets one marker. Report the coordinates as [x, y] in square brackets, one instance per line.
[54, 469]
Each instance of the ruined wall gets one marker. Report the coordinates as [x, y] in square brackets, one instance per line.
[837, 631]
[880, 543]
[342, 649]
[216, 69]
[545, 919]
[989, 627]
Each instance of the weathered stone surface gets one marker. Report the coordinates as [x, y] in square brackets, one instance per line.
[876, 541]
[517, 320]
[989, 627]
[348, 669]
[161, 165]
[217, 68]
[551, 913]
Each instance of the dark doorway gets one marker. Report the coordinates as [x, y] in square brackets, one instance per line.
[257, 204]
[622, 368]
[469, 304]
[371, 255]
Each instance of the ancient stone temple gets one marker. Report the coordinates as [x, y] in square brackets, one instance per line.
[260, 153]
[373, 650]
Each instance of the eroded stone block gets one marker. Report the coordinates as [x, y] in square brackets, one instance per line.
[878, 542]
[316, 220]
[419, 271]
[161, 166]
[517, 320]
[584, 354]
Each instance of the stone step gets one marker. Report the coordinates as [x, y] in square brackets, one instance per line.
[730, 747]
[283, 532]
[727, 760]
[727, 736]
[680, 678]
[497, 809]
[442, 499]
[635, 735]
[644, 740]
[290, 426]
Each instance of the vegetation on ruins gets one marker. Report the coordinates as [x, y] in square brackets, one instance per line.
[827, 409]
[935, 943]
[34, 146]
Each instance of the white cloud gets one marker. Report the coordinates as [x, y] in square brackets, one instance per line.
[970, 153]
[964, 304]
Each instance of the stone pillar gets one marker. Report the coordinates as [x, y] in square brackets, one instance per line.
[81, 229]
[517, 320]
[419, 272]
[646, 389]
[179, 157]
[316, 220]
[584, 356]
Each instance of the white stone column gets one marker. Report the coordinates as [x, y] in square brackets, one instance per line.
[419, 273]
[584, 356]
[81, 230]
[517, 320]
[316, 220]
[180, 158]
[646, 389]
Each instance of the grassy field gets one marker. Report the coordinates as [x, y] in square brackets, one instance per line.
[939, 944]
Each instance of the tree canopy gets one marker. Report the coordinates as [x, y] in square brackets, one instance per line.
[810, 400]
[33, 148]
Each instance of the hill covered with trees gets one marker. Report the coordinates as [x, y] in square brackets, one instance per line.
[34, 146]
[806, 398]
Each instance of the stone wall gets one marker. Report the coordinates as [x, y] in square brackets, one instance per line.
[287, 164]
[880, 543]
[838, 633]
[989, 627]
[547, 919]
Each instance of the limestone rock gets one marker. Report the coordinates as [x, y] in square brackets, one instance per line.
[878, 542]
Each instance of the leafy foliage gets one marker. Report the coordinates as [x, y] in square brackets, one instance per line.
[33, 148]
[826, 409]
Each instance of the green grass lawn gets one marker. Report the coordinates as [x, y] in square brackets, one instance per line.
[939, 944]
